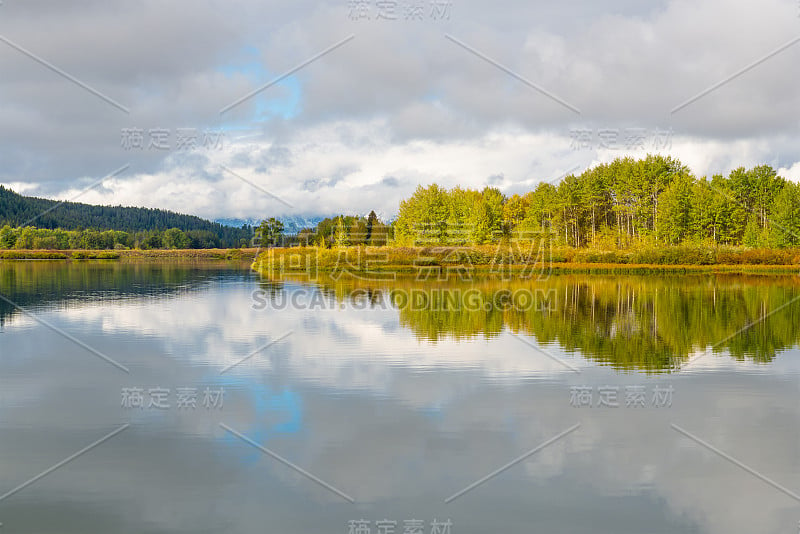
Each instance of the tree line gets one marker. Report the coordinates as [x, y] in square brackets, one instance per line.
[338, 231]
[655, 200]
[144, 226]
[30, 238]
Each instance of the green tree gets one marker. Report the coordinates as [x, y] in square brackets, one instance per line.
[25, 238]
[785, 217]
[175, 238]
[674, 210]
[752, 233]
[372, 220]
[7, 237]
[341, 238]
[514, 211]
[269, 231]
[486, 216]
[152, 241]
[703, 205]
[357, 230]
[540, 211]
[424, 216]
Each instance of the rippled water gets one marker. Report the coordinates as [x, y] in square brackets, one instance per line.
[322, 404]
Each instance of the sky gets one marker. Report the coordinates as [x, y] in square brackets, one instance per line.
[245, 109]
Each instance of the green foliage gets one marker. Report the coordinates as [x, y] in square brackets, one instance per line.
[434, 215]
[649, 323]
[342, 236]
[624, 204]
[31, 238]
[269, 231]
[175, 238]
[7, 237]
[514, 211]
[152, 241]
[426, 216]
[486, 217]
[674, 210]
[785, 219]
[346, 230]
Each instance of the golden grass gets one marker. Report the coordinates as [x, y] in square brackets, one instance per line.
[244, 255]
[530, 259]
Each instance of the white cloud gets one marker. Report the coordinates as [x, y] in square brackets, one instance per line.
[351, 167]
[396, 106]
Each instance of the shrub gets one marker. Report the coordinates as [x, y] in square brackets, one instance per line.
[95, 255]
[31, 255]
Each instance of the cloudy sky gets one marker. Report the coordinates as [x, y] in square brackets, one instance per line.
[251, 109]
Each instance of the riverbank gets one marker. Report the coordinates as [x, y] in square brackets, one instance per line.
[523, 260]
[211, 254]
[518, 260]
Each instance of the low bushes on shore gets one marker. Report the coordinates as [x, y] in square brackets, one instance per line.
[95, 255]
[132, 255]
[411, 258]
[683, 255]
[31, 255]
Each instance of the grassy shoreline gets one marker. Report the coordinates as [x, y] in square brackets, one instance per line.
[220, 254]
[512, 260]
[475, 259]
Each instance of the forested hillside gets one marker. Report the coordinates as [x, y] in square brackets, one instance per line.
[140, 224]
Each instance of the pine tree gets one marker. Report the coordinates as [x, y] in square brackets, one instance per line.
[372, 221]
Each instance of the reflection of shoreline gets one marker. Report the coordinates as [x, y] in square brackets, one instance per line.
[627, 322]
[37, 285]
[415, 299]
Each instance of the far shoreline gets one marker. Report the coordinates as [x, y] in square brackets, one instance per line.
[204, 254]
[499, 260]
[438, 259]
[518, 271]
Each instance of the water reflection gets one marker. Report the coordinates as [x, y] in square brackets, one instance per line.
[652, 323]
[399, 410]
[41, 284]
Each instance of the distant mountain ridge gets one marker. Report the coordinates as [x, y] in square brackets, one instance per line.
[17, 210]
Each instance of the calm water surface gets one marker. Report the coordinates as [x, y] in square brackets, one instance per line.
[615, 404]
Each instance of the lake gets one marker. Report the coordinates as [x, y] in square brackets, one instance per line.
[189, 398]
